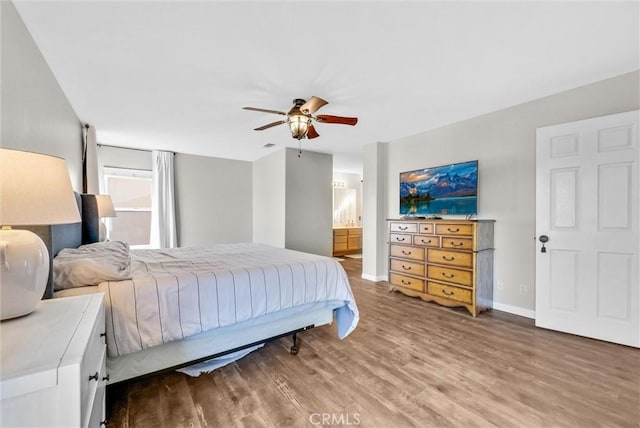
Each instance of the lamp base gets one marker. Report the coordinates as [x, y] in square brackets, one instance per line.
[102, 231]
[24, 272]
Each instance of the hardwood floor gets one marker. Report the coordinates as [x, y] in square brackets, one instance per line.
[408, 363]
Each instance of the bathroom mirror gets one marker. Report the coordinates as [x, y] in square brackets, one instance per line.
[344, 207]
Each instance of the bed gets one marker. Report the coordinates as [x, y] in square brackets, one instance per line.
[177, 307]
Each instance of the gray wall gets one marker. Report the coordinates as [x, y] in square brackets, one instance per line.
[213, 195]
[213, 200]
[504, 144]
[292, 201]
[374, 224]
[120, 157]
[309, 202]
[269, 199]
[35, 113]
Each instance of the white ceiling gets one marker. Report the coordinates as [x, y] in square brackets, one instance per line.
[175, 75]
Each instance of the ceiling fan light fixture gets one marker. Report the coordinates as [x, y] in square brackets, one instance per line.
[300, 117]
[299, 125]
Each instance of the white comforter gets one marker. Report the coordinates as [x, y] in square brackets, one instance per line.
[176, 293]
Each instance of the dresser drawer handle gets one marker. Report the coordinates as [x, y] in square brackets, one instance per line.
[107, 378]
[94, 377]
[103, 423]
[406, 253]
[405, 282]
[447, 276]
[453, 230]
[449, 259]
[460, 244]
[406, 267]
[403, 227]
[426, 242]
[103, 334]
[400, 239]
[448, 293]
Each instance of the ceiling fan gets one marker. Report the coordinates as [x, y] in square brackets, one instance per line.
[300, 116]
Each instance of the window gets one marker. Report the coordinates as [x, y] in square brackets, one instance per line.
[130, 190]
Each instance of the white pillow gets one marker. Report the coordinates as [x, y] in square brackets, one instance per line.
[91, 264]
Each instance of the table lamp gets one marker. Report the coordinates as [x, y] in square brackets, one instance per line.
[105, 209]
[35, 189]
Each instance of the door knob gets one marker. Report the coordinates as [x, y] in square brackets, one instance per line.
[543, 239]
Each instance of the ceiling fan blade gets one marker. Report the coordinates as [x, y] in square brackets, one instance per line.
[312, 133]
[279, 122]
[312, 105]
[325, 118]
[265, 110]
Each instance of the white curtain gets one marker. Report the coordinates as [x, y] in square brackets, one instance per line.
[90, 161]
[163, 213]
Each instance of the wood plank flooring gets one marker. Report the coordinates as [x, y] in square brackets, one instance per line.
[408, 363]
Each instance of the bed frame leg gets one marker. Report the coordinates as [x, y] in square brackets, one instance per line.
[294, 348]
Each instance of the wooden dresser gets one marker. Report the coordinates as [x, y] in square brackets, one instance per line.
[446, 261]
[347, 240]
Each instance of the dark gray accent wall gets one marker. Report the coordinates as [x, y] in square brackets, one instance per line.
[35, 114]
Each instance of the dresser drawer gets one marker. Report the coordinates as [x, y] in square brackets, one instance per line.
[406, 282]
[457, 243]
[399, 238]
[429, 241]
[92, 364]
[425, 228]
[459, 276]
[453, 293]
[453, 258]
[97, 414]
[454, 229]
[407, 252]
[404, 266]
[403, 227]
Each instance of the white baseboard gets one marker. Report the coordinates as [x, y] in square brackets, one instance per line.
[374, 278]
[527, 313]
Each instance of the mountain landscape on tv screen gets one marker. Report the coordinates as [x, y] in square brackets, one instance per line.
[452, 181]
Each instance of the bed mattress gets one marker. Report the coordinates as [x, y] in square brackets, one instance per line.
[179, 293]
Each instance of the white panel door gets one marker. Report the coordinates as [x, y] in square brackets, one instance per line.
[587, 191]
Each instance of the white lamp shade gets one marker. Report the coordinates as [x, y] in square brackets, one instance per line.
[105, 206]
[35, 189]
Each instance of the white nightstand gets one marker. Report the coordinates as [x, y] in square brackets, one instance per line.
[52, 365]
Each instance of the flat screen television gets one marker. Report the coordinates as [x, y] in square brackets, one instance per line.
[440, 190]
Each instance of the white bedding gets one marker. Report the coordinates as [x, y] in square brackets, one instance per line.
[91, 264]
[177, 293]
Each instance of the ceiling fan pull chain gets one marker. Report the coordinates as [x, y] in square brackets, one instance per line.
[299, 148]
